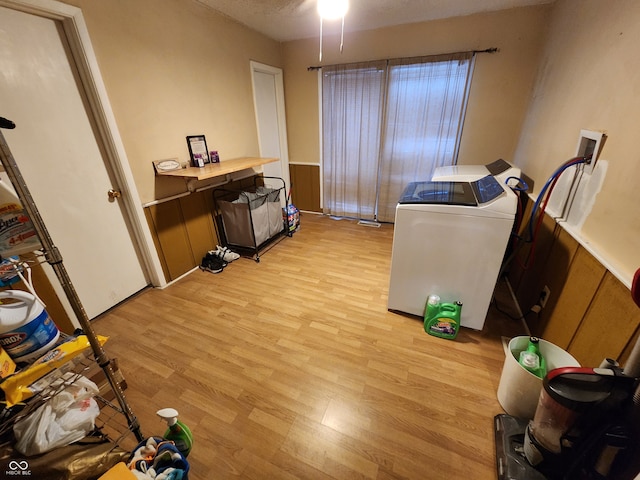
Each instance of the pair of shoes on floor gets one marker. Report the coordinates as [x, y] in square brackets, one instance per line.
[223, 253]
[212, 263]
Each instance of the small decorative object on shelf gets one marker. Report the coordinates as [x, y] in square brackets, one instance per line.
[214, 157]
[166, 165]
[198, 150]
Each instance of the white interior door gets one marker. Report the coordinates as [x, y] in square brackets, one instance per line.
[57, 150]
[268, 97]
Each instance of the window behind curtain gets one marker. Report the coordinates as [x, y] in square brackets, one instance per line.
[386, 124]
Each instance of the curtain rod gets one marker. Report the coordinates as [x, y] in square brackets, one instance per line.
[486, 50]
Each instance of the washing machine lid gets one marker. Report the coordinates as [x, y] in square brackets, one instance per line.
[498, 167]
[469, 194]
[501, 169]
[459, 173]
[442, 193]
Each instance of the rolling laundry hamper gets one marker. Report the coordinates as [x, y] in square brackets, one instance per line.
[250, 220]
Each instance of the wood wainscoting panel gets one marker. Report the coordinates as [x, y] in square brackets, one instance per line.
[183, 229]
[629, 348]
[169, 229]
[610, 322]
[305, 187]
[554, 277]
[47, 293]
[579, 287]
[533, 259]
[196, 212]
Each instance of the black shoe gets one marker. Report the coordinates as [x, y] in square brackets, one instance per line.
[216, 256]
[213, 265]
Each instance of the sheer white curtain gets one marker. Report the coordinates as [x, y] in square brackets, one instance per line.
[352, 113]
[415, 114]
[425, 106]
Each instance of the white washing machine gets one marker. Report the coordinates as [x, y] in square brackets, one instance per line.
[449, 239]
[501, 169]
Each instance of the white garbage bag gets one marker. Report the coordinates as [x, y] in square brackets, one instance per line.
[63, 419]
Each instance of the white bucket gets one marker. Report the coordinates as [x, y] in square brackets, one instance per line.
[519, 389]
[26, 331]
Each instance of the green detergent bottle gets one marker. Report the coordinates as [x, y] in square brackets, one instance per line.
[442, 319]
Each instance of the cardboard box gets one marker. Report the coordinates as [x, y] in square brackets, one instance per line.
[7, 365]
[118, 472]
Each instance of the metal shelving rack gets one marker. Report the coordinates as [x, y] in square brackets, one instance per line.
[116, 418]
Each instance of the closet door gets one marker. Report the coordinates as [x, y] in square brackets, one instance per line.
[268, 100]
[57, 148]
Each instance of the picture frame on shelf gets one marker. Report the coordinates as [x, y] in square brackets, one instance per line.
[198, 151]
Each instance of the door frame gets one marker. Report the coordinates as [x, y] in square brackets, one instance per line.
[77, 35]
[282, 122]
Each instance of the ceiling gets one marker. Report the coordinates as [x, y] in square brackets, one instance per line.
[285, 20]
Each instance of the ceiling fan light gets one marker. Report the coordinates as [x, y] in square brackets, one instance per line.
[332, 9]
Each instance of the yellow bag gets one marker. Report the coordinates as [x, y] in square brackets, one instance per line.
[32, 380]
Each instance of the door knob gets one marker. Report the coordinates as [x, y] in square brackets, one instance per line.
[113, 194]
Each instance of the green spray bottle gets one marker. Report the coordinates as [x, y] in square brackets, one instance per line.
[177, 432]
[531, 358]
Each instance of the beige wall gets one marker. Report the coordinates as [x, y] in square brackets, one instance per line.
[590, 79]
[174, 68]
[501, 85]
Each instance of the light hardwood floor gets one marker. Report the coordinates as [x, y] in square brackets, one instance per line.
[293, 367]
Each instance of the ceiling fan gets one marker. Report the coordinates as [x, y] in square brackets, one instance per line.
[328, 10]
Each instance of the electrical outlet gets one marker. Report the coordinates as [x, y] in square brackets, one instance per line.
[544, 296]
[589, 143]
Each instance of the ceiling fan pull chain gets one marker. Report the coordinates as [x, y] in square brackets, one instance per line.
[320, 59]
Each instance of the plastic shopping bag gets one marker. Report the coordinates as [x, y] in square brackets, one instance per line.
[63, 419]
